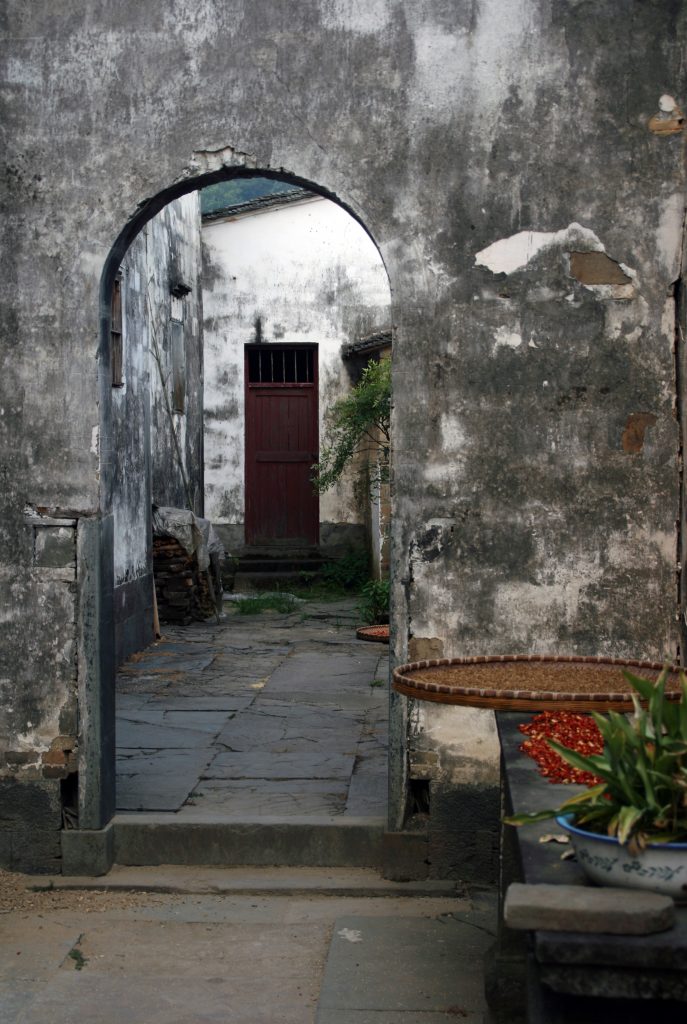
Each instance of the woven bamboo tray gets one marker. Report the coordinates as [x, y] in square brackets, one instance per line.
[375, 634]
[529, 682]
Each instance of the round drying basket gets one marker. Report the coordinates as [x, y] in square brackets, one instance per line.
[529, 682]
[375, 634]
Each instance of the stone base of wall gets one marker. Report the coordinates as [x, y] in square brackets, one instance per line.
[336, 539]
[30, 826]
[133, 615]
[463, 832]
[232, 535]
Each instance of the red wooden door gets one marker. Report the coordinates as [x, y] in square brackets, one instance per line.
[282, 434]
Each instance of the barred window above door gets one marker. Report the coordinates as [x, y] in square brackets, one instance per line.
[278, 364]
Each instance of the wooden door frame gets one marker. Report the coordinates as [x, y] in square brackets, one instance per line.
[313, 385]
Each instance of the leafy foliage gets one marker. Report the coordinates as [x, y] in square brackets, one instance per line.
[351, 425]
[374, 603]
[643, 794]
[274, 602]
[348, 572]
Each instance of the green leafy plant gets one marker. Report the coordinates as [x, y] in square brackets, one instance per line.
[76, 956]
[348, 573]
[374, 602]
[359, 422]
[335, 579]
[265, 603]
[643, 793]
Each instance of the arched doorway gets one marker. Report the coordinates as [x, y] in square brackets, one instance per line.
[97, 791]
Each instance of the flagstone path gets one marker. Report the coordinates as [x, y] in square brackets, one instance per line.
[267, 715]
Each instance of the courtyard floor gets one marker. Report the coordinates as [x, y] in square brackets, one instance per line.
[231, 946]
[263, 715]
[258, 718]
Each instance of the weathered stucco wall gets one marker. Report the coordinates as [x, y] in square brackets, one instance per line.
[536, 482]
[176, 232]
[164, 256]
[303, 272]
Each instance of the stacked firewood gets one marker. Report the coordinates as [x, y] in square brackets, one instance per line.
[182, 591]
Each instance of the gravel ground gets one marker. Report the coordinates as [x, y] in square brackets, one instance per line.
[28, 894]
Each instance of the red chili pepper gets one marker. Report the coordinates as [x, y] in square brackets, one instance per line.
[578, 732]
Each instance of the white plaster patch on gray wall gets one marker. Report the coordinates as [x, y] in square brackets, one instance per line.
[360, 16]
[547, 603]
[201, 25]
[467, 743]
[669, 234]
[483, 59]
[513, 253]
[508, 337]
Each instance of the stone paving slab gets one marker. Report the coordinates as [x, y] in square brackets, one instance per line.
[192, 717]
[365, 698]
[405, 969]
[196, 702]
[251, 957]
[267, 726]
[171, 659]
[367, 794]
[333, 673]
[167, 972]
[246, 798]
[159, 780]
[280, 708]
[166, 734]
[260, 764]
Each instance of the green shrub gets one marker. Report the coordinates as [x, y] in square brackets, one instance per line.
[348, 572]
[374, 602]
[358, 423]
[264, 603]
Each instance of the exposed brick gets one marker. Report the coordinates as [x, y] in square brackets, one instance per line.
[54, 757]
[21, 756]
[63, 743]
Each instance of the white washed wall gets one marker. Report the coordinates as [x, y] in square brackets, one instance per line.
[145, 460]
[308, 273]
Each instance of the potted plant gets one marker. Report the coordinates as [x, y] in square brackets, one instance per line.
[630, 829]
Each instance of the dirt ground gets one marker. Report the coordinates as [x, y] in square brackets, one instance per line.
[31, 895]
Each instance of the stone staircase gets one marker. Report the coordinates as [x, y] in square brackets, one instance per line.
[275, 569]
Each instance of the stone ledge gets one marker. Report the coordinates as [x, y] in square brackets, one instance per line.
[87, 851]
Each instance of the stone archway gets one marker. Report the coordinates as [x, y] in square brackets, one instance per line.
[97, 745]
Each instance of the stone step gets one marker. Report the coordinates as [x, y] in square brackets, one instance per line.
[272, 565]
[151, 839]
[263, 881]
[251, 581]
[148, 839]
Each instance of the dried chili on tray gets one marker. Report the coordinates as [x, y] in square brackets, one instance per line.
[576, 731]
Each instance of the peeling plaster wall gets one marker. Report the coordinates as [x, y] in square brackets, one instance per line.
[175, 238]
[521, 522]
[306, 272]
[145, 463]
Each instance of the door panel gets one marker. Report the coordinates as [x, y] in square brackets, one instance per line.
[281, 447]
